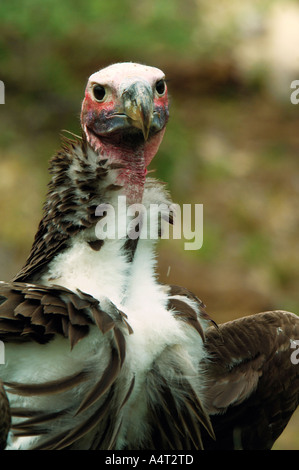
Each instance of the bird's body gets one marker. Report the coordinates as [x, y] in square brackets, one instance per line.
[99, 354]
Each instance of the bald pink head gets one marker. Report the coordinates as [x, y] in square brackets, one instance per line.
[124, 114]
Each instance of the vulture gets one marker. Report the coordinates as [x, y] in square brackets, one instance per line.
[100, 355]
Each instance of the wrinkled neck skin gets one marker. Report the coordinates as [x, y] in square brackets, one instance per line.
[134, 155]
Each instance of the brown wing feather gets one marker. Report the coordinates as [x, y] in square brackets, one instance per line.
[184, 312]
[30, 312]
[252, 384]
[36, 312]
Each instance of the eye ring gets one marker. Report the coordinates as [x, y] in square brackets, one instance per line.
[160, 87]
[99, 92]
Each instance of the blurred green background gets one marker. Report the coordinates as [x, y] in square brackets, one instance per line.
[232, 141]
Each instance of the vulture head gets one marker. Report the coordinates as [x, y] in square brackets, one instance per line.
[123, 116]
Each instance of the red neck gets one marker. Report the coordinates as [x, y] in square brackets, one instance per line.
[135, 160]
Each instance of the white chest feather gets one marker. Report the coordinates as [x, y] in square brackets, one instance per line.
[133, 288]
[100, 274]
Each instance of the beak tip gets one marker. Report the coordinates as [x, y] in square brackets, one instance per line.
[145, 132]
[138, 104]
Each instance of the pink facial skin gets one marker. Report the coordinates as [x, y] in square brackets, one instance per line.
[113, 135]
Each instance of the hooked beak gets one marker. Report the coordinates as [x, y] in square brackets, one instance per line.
[134, 109]
[138, 105]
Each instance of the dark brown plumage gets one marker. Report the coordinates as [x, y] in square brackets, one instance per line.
[67, 199]
[38, 313]
[252, 384]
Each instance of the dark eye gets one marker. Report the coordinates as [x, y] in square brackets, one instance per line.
[160, 87]
[99, 92]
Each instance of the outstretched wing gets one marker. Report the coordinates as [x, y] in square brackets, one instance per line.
[39, 314]
[252, 380]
